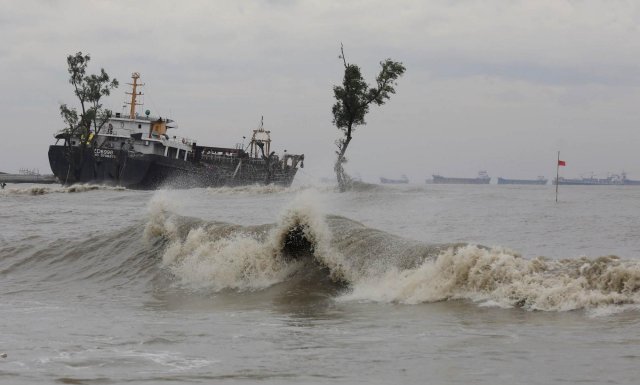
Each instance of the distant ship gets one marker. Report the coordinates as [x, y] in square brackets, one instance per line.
[482, 178]
[541, 180]
[27, 176]
[629, 182]
[611, 180]
[403, 179]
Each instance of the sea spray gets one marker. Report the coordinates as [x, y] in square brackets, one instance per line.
[42, 190]
[219, 256]
[161, 217]
[304, 214]
[238, 262]
[495, 276]
[382, 267]
[264, 189]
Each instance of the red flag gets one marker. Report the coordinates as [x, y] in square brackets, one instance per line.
[562, 163]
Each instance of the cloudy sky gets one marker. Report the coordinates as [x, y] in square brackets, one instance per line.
[492, 85]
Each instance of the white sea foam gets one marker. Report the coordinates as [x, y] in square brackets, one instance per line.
[238, 262]
[51, 189]
[161, 217]
[609, 310]
[215, 257]
[500, 278]
[175, 362]
[257, 189]
[381, 267]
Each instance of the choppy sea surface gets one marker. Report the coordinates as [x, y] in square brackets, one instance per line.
[430, 284]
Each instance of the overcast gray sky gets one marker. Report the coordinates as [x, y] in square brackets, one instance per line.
[493, 85]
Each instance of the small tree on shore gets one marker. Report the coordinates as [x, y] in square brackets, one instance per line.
[88, 122]
[353, 99]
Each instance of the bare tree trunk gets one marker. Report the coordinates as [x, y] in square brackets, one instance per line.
[344, 181]
[337, 167]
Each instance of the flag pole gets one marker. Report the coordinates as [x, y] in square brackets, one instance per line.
[557, 175]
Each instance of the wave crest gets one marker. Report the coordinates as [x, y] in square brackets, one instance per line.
[222, 256]
[238, 262]
[502, 278]
[382, 267]
[42, 190]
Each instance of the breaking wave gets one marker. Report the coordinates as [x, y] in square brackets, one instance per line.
[500, 278]
[264, 189]
[304, 245]
[220, 256]
[380, 267]
[356, 186]
[49, 189]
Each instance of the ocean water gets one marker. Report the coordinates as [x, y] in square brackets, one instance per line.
[430, 284]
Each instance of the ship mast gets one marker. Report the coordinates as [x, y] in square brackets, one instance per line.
[134, 94]
[261, 138]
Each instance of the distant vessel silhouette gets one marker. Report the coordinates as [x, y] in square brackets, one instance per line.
[611, 180]
[403, 179]
[540, 180]
[482, 178]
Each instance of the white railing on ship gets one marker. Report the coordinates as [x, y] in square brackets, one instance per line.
[179, 139]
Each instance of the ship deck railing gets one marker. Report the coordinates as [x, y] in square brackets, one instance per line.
[175, 139]
[138, 117]
[229, 158]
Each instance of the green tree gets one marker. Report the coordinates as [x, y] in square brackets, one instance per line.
[353, 99]
[84, 124]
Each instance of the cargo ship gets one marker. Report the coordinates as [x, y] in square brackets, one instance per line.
[403, 180]
[611, 180]
[482, 178]
[630, 182]
[141, 152]
[539, 181]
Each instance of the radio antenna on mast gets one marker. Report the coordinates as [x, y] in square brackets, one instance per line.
[134, 94]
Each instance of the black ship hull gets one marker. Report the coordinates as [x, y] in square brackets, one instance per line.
[149, 171]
